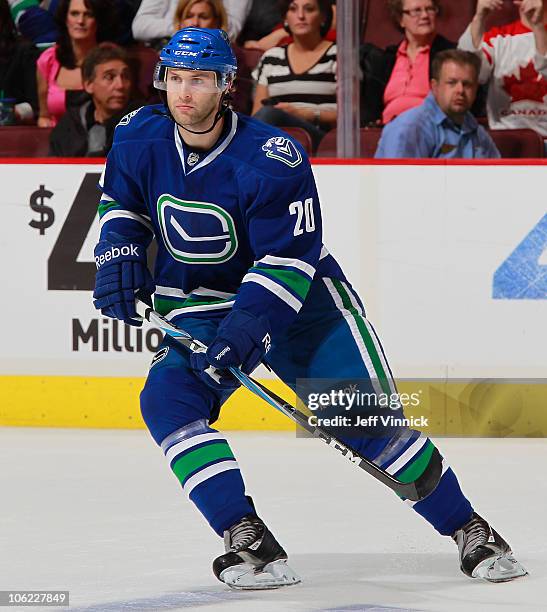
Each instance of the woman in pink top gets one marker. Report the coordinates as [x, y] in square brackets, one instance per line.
[82, 24]
[396, 79]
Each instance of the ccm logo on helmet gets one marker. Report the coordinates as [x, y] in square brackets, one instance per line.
[115, 252]
[192, 53]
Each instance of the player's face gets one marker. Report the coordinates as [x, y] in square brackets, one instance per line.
[200, 15]
[193, 97]
[304, 17]
[456, 89]
[111, 86]
[80, 21]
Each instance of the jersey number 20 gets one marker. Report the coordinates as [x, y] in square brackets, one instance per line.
[303, 212]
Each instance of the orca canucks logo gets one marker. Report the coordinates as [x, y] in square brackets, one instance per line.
[284, 150]
[127, 118]
[196, 232]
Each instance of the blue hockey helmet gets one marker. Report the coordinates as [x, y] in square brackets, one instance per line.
[198, 49]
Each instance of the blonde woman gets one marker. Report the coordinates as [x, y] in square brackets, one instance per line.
[154, 19]
[200, 14]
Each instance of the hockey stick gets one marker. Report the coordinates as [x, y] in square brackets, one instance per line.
[415, 490]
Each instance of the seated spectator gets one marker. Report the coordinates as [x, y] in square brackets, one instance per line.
[272, 34]
[397, 78]
[82, 24]
[297, 83]
[155, 18]
[17, 68]
[87, 130]
[514, 64]
[442, 126]
[200, 14]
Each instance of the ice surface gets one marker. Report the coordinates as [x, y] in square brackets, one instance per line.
[98, 513]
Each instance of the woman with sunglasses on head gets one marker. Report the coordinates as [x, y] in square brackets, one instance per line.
[397, 78]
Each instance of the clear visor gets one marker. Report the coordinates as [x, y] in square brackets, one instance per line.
[178, 80]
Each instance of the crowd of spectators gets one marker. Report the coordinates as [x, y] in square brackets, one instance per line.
[442, 126]
[73, 65]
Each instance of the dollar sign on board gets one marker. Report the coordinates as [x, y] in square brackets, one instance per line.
[47, 215]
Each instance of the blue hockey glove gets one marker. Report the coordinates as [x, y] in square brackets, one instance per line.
[121, 273]
[242, 341]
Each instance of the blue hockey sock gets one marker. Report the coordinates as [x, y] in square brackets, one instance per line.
[406, 457]
[203, 462]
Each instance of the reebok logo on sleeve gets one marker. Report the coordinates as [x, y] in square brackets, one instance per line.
[222, 353]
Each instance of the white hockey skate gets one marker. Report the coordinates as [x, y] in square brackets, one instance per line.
[484, 553]
[254, 560]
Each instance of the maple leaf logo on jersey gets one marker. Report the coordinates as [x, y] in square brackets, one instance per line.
[284, 150]
[529, 86]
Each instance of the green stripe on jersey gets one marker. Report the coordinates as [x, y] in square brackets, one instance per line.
[418, 466]
[200, 300]
[298, 283]
[199, 458]
[165, 305]
[367, 338]
[104, 207]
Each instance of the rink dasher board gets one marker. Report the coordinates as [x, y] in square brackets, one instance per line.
[421, 242]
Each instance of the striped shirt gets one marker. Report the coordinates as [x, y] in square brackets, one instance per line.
[316, 87]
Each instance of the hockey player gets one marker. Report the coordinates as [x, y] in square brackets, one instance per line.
[234, 209]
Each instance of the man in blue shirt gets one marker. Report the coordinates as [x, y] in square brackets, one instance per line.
[442, 126]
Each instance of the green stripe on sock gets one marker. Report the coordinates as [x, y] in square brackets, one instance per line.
[197, 459]
[295, 281]
[367, 338]
[418, 466]
[104, 207]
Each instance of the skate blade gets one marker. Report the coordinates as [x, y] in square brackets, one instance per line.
[274, 575]
[499, 569]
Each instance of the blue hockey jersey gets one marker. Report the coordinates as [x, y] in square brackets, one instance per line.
[238, 226]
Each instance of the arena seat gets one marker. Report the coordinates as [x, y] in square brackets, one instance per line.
[24, 141]
[369, 141]
[327, 146]
[242, 96]
[369, 138]
[301, 136]
[250, 57]
[518, 144]
[381, 31]
[146, 59]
